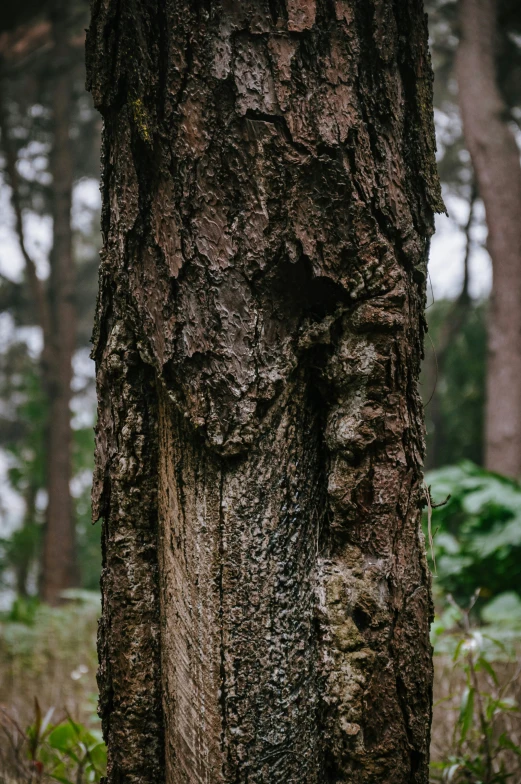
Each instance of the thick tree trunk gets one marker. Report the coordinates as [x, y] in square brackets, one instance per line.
[59, 566]
[269, 183]
[495, 157]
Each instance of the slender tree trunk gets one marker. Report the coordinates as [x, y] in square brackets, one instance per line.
[268, 190]
[55, 313]
[59, 566]
[26, 558]
[495, 157]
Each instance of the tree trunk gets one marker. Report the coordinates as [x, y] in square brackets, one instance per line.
[269, 183]
[55, 314]
[59, 566]
[27, 557]
[495, 157]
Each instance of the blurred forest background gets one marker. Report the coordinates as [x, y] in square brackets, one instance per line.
[471, 383]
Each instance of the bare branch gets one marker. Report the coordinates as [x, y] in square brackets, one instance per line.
[464, 294]
[35, 283]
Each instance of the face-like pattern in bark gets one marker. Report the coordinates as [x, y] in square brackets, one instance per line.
[268, 192]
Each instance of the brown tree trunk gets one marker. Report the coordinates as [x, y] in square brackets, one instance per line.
[269, 183]
[59, 566]
[55, 313]
[495, 157]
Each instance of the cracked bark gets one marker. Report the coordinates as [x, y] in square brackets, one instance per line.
[268, 190]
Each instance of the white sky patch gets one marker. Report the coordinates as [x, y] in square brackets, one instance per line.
[83, 404]
[86, 199]
[448, 252]
[38, 239]
[11, 504]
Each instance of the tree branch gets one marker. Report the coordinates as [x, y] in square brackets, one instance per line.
[36, 285]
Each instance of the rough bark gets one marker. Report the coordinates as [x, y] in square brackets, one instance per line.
[495, 157]
[268, 190]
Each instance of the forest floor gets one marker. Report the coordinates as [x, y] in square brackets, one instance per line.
[48, 660]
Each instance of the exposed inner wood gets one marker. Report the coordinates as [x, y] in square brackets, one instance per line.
[269, 186]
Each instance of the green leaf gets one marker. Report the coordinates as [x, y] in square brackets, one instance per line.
[506, 743]
[485, 665]
[504, 608]
[466, 712]
[63, 737]
[457, 651]
[98, 756]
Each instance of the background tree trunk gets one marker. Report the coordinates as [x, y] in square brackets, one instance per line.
[59, 566]
[54, 304]
[495, 157]
[269, 183]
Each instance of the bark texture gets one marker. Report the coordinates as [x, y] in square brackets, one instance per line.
[495, 157]
[269, 184]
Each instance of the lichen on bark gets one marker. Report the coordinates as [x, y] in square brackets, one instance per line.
[264, 281]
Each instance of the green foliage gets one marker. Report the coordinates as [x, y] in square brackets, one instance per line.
[483, 744]
[24, 610]
[454, 420]
[477, 543]
[25, 445]
[27, 405]
[67, 751]
[44, 648]
[19, 552]
[477, 532]
[50, 652]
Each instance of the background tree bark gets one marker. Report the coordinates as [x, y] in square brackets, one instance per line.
[54, 304]
[59, 563]
[269, 184]
[495, 157]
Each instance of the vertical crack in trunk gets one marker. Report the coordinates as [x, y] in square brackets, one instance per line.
[222, 669]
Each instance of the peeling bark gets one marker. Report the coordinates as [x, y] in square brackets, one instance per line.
[495, 158]
[269, 185]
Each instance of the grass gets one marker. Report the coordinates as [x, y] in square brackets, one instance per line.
[48, 660]
[50, 654]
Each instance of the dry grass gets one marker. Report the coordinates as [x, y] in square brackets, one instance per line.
[54, 659]
[449, 685]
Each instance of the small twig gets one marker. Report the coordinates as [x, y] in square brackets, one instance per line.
[429, 524]
[464, 295]
[435, 385]
[430, 507]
